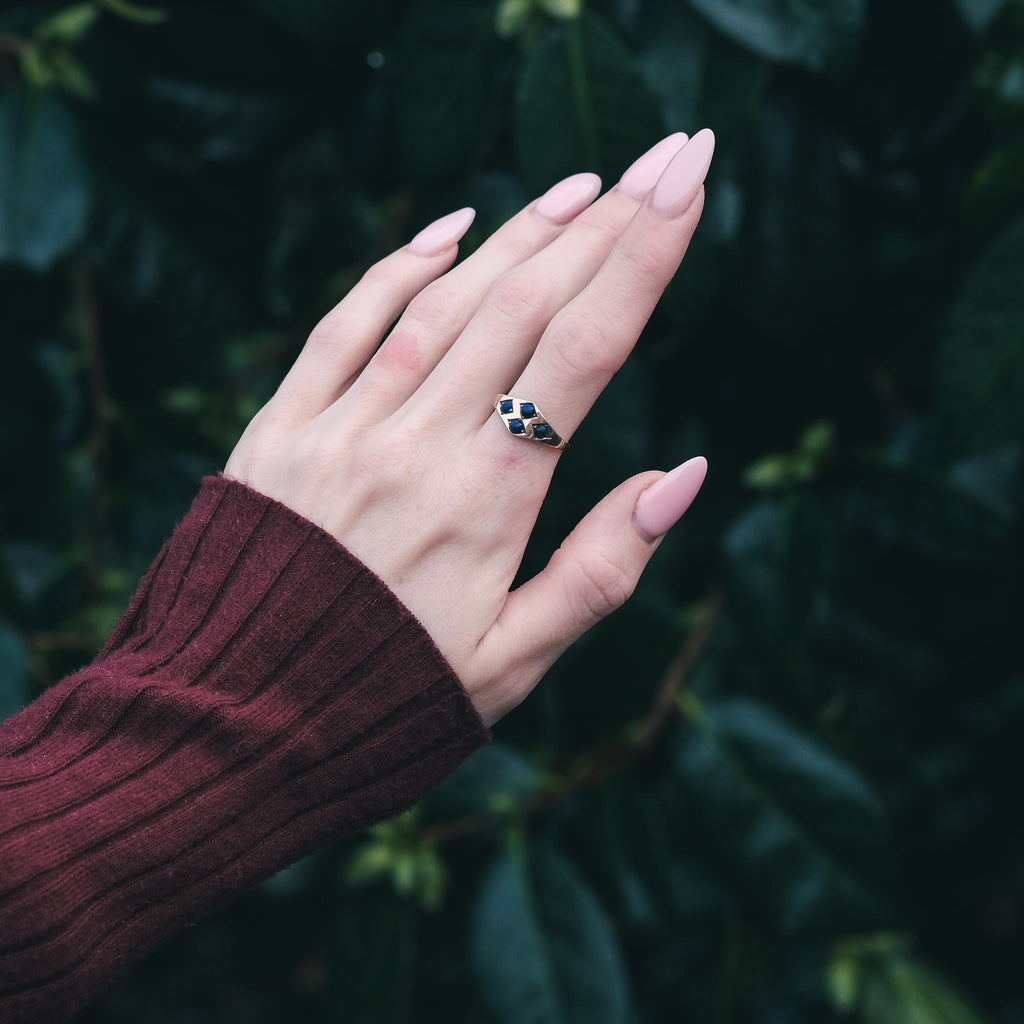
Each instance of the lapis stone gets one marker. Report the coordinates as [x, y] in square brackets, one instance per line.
[505, 407]
[517, 426]
[528, 409]
[541, 430]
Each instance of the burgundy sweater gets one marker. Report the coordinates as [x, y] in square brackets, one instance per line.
[264, 694]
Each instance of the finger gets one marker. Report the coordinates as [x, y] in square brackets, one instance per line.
[438, 314]
[591, 575]
[591, 337]
[343, 340]
[497, 343]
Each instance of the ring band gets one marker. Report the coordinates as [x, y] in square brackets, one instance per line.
[524, 419]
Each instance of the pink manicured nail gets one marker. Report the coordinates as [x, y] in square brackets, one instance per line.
[443, 233]
[644, 172]
[683, 177]
[565, 200]
[662, 504]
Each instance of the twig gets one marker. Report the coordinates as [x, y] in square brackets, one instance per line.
[609, 757]
[11, 43]
[87, 309]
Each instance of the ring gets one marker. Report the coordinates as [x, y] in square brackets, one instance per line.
[525, 420]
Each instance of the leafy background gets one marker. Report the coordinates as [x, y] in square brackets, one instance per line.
[779, 786]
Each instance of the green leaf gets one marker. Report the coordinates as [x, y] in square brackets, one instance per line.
[494, 778]
[565, 9]
[963, 513]
[316, 20]
[799, 273]
[68, 25]
[909, 992]
[582, 105]
[979, 363]
[543, 950]
[44, 188]
[803, 833]
[979, 14]
[788, 469]
[14, 671]
[133, 12]
[373, 958]
[996, 190]
[452, 76]
[809, 33]
[880, 977]
[780, 557]
[511, 17]
[699, 76]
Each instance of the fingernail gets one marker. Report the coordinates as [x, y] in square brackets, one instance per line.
[565, 200]
[644, 172]
[443, 233]
[684, 176]
[659, 508]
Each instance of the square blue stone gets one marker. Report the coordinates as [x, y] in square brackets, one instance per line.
[528, 409]
[541, 430]
[517, 426]
[506, 407]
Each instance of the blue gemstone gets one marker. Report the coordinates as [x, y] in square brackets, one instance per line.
[505, 407]
[541, 430]
[517, 426]
[528, 409]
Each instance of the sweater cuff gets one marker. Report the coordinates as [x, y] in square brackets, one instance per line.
[264, 694]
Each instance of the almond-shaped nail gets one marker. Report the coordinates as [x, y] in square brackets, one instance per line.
[659, 508]
[568, 198]
[435, 238]
[684, 176]
[642, 175]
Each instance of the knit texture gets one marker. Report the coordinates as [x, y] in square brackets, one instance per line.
[264, 694]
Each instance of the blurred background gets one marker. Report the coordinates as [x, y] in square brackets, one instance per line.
[784, 784]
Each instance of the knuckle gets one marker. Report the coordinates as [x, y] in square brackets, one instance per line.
[311, 456]
[520, 297]
[324, 335]
[647, 267]
[598, 234]
[400, 352]
[439, 303]
[385, 460]
[583, 347]
[381, 275]
[609, 585]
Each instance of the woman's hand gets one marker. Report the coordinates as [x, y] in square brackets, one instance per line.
[395, 448]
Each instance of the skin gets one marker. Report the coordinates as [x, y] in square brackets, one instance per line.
[393, 446]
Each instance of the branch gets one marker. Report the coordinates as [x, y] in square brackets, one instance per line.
[609, 757]
[10, 43]
[87, 309]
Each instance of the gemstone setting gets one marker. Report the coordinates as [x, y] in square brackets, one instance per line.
[523, 419]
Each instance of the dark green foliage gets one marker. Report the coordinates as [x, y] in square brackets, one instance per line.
[44, 192]
[782, 784]
[543, 949]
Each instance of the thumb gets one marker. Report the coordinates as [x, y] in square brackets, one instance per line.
[593, 573]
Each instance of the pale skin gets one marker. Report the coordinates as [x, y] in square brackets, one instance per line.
[394, 448]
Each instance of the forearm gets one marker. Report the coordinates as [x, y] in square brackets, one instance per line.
[263, 695]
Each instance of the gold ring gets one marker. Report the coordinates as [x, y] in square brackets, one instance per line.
[524, 419]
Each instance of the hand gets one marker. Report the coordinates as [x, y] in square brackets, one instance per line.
[395, 447]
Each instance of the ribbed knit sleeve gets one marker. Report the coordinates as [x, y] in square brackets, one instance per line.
[263, 695]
